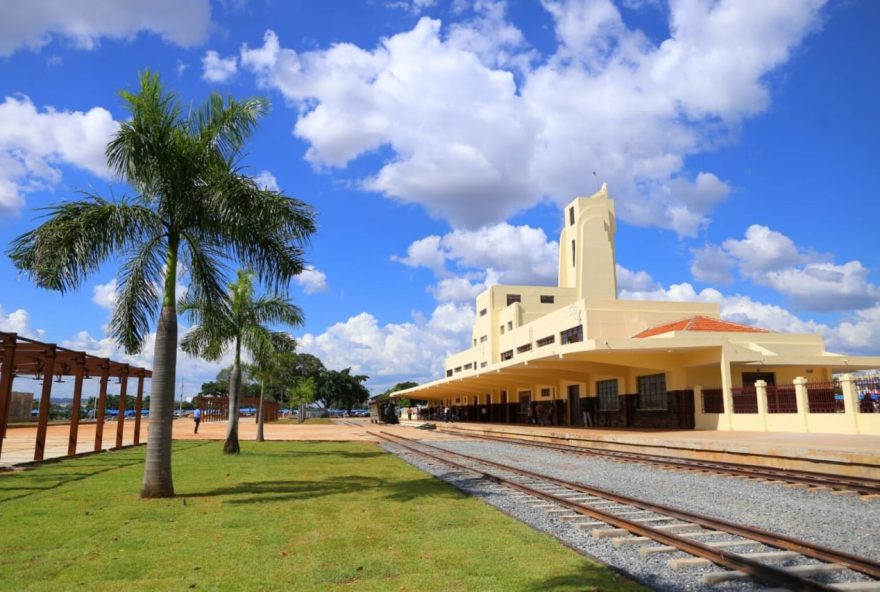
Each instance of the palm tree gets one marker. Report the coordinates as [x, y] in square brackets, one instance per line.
[194, 209]
[268, 368]
[239, 321]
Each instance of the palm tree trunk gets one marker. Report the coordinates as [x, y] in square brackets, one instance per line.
[157, 466]
[260, 412]
[231, 445]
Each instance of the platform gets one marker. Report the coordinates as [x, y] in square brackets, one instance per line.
[824, 453]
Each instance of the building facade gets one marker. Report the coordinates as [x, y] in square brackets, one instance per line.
[575, 354]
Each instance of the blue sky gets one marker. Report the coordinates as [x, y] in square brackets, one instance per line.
[437, 140]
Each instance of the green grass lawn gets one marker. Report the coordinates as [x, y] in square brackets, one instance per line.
[281, 516]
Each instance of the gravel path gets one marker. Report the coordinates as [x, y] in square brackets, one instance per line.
[841, 522]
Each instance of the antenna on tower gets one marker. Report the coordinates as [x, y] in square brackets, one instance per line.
[596, 177]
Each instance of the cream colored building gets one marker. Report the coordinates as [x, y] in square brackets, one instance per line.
[575, 354]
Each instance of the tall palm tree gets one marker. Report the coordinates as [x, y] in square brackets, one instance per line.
[194, 209]
[238, 321]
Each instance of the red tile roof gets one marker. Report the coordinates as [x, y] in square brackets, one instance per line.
[700, 323]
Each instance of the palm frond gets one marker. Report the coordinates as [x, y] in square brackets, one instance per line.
[78, 237]
[277, 309]
[139, 294]
[202, 342]
[226, 125]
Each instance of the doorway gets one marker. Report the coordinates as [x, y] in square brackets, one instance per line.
[574, 405]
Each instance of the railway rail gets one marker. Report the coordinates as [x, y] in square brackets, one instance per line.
[866, 488]
[630, 521]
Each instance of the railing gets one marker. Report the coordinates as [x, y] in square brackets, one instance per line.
[781, 398]
[868, 389]
[745, 399]
[825, 397]
[713, 400]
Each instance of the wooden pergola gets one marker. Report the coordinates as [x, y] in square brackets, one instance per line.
[21, 356]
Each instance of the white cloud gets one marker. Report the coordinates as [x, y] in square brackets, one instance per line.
[35, 23]
[312, 281]
[217, 69]
[825, 286]
[809, 280]
[713, 265]
[763, 250]
[104, 295]
[19, 321]
[386, 352]
[413, 6]
[479, 126]
[512, 254]
[34, 143]
[266, 180]
[634, 281]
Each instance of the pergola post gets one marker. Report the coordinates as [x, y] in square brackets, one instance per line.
[78, 374]
[102, 402]
[138, 407]
[123, 392]
[7, 374]
[45, 397]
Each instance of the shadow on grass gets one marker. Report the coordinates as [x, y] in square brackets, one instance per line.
[587, 579]
[256, 492]
[66, 471]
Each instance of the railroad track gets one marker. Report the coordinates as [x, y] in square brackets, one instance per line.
[866, 488]
[630, 521]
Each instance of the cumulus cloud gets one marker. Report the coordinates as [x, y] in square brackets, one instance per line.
[19, 321]
[712, 264]
[312, 281]
[34, 143]
[36, 23]
[511, 254]
[217, 69]
[266, 180]
[479, 126]
[104, 295]
[386, 352]
[810, 281]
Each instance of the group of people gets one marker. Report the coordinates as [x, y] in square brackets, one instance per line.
[540, 414]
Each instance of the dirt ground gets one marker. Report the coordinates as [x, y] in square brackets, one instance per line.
[18, 446]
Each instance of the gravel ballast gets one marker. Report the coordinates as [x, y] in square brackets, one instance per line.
[840, 522]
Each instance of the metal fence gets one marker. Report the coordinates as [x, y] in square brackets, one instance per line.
[745, 399]
[868, 389]
[781, 398]
[825, 397]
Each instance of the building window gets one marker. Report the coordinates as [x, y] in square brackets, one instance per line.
[510, 325]
[652, 392]
[482, 312]
[572, 335]
[449, 372]
[511, 298]
[547, 299]
[475, 341]
[458, 369]
[502, 329]
[546, 341]
[483, 339]
[573, 251]
[546, 392]
[607, 393]
[506, 355]
[524, 348]
[483, 364]
[571, 216]
[468, 366]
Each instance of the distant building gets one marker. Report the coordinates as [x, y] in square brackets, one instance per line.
[574, 353]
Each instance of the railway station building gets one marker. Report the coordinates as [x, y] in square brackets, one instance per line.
[575, 354]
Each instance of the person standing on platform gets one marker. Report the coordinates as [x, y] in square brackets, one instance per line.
[197, 417]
